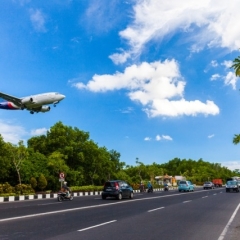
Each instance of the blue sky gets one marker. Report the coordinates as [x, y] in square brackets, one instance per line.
[150, 79]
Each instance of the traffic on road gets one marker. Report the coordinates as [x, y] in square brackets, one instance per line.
[160, 215]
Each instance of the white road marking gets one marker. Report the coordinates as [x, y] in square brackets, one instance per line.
[48, 203]
[224, 232]
[155, 209]
[93, 206]
[205, 197]
[187, 201]
[84, 229]
[214, 194]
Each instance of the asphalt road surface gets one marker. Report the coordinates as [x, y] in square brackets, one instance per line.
[203, 214]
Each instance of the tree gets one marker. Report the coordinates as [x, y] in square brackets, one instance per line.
[33, 182]
[17, 155]
[42, 182]
[5, 163]
[236, 66]
[236, 139]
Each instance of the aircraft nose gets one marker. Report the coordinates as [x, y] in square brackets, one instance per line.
[63, 96]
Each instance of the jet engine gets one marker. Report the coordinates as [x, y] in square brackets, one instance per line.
[27, 100]
[44, 109]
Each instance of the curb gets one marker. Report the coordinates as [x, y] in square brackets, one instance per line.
[54, 195]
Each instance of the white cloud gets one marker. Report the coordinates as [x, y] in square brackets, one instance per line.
[38, 20]
[211, 136]
[126, 110]
[119, 58]
[163, 137]
[215, 77]
[147, 139]
[158, 86]
[166, 137]
[11, 133]
[101, 16]
[231, 79]
[227, 64]
[232, 165]
[39, 131]
[158, 138]
[205, 23]
[214, 63]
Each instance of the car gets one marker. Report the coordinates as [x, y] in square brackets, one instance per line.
[185, 186]
[208, 185]
[232, 186]
[118, 189]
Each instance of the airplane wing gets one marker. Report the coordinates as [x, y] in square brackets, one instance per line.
[9, 98]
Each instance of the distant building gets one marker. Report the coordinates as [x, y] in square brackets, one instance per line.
[170, 180]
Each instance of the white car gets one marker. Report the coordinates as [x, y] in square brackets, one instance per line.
[208, 185]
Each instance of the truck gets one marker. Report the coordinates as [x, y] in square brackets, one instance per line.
[217, 182]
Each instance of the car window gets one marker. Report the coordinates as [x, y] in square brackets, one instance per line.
[182, 182]
[109, 184]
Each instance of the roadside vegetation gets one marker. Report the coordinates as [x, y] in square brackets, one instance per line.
[36, 167]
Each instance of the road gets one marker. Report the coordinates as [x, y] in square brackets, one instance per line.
[203, 214]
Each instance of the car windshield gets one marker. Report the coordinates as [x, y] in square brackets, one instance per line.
[231, 183]
[207, 183]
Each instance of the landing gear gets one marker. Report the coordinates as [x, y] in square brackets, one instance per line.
[32, 112]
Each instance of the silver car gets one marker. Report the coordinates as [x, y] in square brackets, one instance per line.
[208, 185]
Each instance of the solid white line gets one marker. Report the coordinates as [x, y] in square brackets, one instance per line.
[155, 209]
[84, 229]
[224, 232]
[187, 201]
[48, 203]
[93, 206]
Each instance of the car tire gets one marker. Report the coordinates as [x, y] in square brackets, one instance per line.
[119, 196]
[103, 197]
[131, 195]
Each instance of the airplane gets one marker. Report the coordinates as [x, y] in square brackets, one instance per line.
[35, 103]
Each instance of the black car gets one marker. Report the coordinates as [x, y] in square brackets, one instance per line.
[118, 189]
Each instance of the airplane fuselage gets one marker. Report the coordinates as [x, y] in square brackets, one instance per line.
[33, 103]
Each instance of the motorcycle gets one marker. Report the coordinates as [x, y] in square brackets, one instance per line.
[166, 188]
[63, 196]
[150, 190]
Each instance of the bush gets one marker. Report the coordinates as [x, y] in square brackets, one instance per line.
[33, 182]
[6, 188]
[89, 188]
[7, 194]
[24, 189]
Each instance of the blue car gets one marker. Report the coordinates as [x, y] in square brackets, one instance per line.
[185, 186]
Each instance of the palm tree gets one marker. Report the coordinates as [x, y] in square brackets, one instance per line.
[236, 139]
[236, 66]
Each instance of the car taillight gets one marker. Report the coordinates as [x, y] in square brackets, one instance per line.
[116, 185]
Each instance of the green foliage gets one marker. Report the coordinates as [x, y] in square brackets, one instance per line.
[42, 182]
[33, 182]
[84, 163]
[6, 188]
[89, 188]
[24, 189]
[236, 66]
